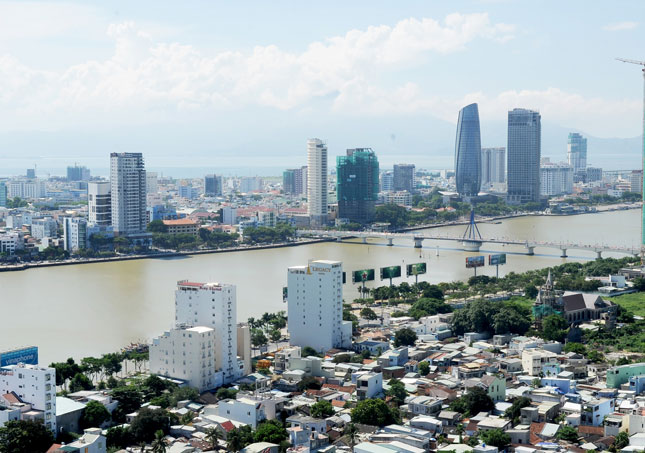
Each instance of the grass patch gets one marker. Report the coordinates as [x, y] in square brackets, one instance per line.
[634, 302]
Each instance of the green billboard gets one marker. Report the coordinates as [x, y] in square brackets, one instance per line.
[496, 260]
[364, 275]
[390, 272]
[415, 269]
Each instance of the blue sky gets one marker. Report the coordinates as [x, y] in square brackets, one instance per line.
[203, 82]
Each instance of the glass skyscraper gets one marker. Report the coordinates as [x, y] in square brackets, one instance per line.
[468, 150]
[357, 184]
[577, 152]
[523, 156]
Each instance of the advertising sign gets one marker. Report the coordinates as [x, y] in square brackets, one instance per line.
[496, 260]
[415, 269]
[27, 356]
[475, 261]
[364, 275]
[390, 272]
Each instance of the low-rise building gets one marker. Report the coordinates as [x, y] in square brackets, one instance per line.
[181, 226]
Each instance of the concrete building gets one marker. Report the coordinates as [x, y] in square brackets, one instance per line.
[294, 181]
[34, 385]
[128, 194]
[555, 179]
[387, 181]
[619, 375]
[243, 410]
[250, 184]
[403, 198]
[468, 152]
[535, 360]
[315, 306]
[92, 441]
[244, 347]
[317, 181]
[594, 174]
[3, 195]
[182, 226]
[78, 173]
[187, 354]
[229, 215]
[212, 305]
[369, 385]
[185, 190]
[74, 233]
[403, 177]
[152, 182]
[524, 153]
[99, 202]
[34, 188]
[577, 152]
[10, 242]
[635, 181]
[46, 227]
[493, 166]
[213, 186]
[357, 184]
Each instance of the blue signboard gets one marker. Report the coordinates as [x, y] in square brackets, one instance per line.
[27, 356]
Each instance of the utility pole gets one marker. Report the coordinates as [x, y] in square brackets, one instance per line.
[641, 63]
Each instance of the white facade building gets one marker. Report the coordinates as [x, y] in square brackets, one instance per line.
[493, 165]
[128, 193]
[35, 188]
[92, 441]
[315, 306]
[244, 410]
[250, 184]
[74, 233]
[10, 242]
[555, 179]
[34, 385]
[317, 181]
[187, 354]
[46, 227]
[99, 201]
[152, 185]
[212, 305]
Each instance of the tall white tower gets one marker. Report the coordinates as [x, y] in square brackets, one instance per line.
[317, 181]
[128, 193]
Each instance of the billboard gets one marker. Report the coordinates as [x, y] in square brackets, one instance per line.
[390, 272]
[27, 355]
[415, 269]
[475, 261]
[495, 260]
[364, 275]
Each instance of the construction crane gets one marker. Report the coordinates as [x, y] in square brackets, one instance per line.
[641, 63]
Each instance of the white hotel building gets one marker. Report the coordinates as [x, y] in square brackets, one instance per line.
[315, 310]
[34, 385]
[210, 305]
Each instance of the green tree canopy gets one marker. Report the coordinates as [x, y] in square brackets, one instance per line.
[374, 412]
[94, 415]
[148, 422]
[424, 368]
[554, 328]
[568, 433]
[397, 391]
[496, 438]
[473, 402]
[270, 431]
[25, 436]
[405, 337]
[322, 409]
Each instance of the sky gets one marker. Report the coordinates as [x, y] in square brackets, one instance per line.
[215, 85]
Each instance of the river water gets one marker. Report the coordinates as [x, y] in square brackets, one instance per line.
[91, 309]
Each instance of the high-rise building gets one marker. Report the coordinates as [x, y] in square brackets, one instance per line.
[636, 181]
[45, 227]
[357, 185]
[187, 353]
[78, 173]
[593, 174]
[3, 195]
[524, 152]
[212, 186]
[74, 233]
[185, 190]
[31, 173]
[403, 177]
[468, 152]
[212, 305]
[34, 385]
[33, 188]
[152, 182]
[128, 193]
[301, 181]
[387, 181]
[250, 184]
[315, 306]
[99, 202]
[493, 165]
[294, 181]
[577, 152]
[317, 181]
[555, 179]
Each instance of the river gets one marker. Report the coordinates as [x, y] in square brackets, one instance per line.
[90, 309]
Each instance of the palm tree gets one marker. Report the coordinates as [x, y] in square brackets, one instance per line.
[212, 436]
[460, 431]
[351, 432]
[159, 444]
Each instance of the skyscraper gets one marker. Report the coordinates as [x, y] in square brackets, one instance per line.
[403, 177]
[468, 152]
[317, 181]
[99, 201]
[577, 152]
[493, 165]
[555, 179]
[315, 306]
[357, 185]
[524, 152]
[77, 173]
[3, 195]
[212, 185]
[387, 181]
[128, 193]
[294, 181]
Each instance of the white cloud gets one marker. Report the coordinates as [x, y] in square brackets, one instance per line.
[620, 26]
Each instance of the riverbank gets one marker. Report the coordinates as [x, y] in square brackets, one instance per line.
[70, 262]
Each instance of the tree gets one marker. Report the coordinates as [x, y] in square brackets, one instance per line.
[515, 410]
[119, 437]
[576, 348]
[368, 313]
[620, 442]
[238, 438]
[374, 412]
[554, 328]
[157, 226]
[258, 338]
[270, 431]
[405, 337]
[351, 431]
[424, 368]
[129, 399]
[568, 433]
[148, 422]
[473, 402]
[496, 438]
[309, 351]
[322, 409]
[25, 436]
[428, 307]
[309, 382]
[595, 356]
[530, 292]
[275, 335]
[80, 382]
[212, 436]
[159, 442]
[65, 371]
[94, 415]
[397, 391]
[226, 393]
